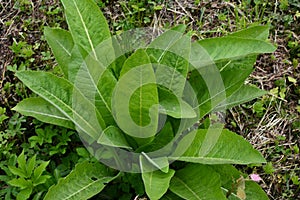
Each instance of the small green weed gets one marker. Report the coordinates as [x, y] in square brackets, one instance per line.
[22, 49]
[2, 114]
[28, 175]
[15, 125]
[51, 139]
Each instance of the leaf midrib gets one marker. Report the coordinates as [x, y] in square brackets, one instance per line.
[140, 99]
[217, 94]
[66, 106]
[187, 187]
[227, 161]
[63, 47]
[165, 50]
[94, 52]
[45, 114]
[83, 188]
[98, 91]
[86, 31]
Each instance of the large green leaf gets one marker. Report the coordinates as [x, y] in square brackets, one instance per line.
[230, 79]
[174, 106]
[254, 191]
[171, 52]
[113, 136]
[160, 142]
[135, 98]
[87, 78]
[182, 144]
[156, 182]
[94, 81]
[137, 59]
[43, 111]
[149, 164]
[75, 63]
[230, 175]
[61, 43]
[106, 85]
[209, 89]
[115, 157]
[66, 98]
[86, 23]
[120, 57]
[197, 182]
[160, 46]
[253, 32]
[245, 94]
[173, 66]
[85, 181]
[235, 72]
[232, 90]
[171, 73]
[231, 47]
[234, 56]
[224, 148]
[139, 107]
[170, 196]
[92, 38]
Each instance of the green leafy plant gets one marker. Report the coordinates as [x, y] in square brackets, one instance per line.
[29, 175]
[2, 115]
[10, 159]
[52, 139]
[15, 125]
[148, 107]
[136, 13]
[22, 49]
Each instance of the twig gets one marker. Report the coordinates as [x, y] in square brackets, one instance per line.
[187, 13]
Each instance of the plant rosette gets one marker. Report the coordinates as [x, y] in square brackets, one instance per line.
[141, 103]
